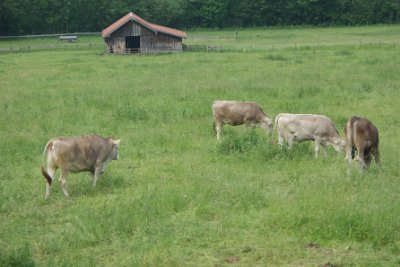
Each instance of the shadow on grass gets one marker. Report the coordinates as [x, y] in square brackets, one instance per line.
[106, 184]
[81, 185]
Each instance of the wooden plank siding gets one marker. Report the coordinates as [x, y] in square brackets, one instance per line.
[161, 42]
[149, 40]
[130, 29]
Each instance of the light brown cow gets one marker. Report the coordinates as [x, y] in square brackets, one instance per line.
[77, 154]
[238, 113]
[305, 127]
[361, 135]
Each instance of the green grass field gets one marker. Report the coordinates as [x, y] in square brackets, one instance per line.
[177, 197]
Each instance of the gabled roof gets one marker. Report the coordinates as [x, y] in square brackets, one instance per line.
[133, 17]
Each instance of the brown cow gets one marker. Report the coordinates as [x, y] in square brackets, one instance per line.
[361, 135]
[304, 127]
[77, 154]
[238, 113]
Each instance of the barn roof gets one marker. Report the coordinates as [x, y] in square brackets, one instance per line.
[133, 17]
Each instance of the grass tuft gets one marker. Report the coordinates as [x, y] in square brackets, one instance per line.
[20, 257]
[276, 58]
[131, 113]
[238, 143]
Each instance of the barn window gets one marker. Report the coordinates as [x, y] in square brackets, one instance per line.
[133, 43]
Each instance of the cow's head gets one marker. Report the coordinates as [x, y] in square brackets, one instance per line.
[338, 143]
[114, 151]
[266, 124]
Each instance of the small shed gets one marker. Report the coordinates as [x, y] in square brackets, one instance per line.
[132, 34]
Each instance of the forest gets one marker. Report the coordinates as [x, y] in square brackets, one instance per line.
[23, 17]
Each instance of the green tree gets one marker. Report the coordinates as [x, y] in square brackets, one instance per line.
[213, 13]
[59, 16]
[10, 14]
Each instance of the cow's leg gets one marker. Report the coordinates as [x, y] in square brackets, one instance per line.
[325, 153]
[317, 147]
[218, 127]
[290, 141]
[324, 148]
[348, 146]
[100, 168]
[281, 138]
[51, 171]
[375, 153]
[360, 155]
[63, 181]
[367, 157]
[355, 156]
[349, 156]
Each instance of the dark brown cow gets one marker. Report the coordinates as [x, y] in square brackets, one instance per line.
[77, 154]
[238, 113]
[361, 135]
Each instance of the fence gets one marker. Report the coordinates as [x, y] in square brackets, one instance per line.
[28, 42]
[48, 35]
[129, 51]
[200, 48]
[229, 43]
[22, 48]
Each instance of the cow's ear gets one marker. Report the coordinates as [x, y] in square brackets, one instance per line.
[116, 142]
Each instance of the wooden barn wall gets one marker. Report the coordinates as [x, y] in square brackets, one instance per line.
[160, 42]
[116, 44]
[149, 41]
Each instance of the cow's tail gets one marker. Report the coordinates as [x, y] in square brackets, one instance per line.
[215, 118]
[276, 126]
[44, 172]
[215, 128]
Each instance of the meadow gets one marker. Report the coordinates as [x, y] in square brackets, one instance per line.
[176, 197]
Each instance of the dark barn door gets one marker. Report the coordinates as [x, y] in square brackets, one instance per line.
[133, 42]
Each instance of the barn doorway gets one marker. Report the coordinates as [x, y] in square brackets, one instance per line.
[132, 43]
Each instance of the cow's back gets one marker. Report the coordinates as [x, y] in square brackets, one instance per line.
[308, 122]
[232, 106]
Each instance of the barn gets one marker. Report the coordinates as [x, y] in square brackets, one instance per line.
[132, 34]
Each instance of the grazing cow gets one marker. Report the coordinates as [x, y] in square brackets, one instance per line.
[361, 135]
[238, 113]
[305, 127]
[77, 154]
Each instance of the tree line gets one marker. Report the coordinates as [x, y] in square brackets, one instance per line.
[21, 17]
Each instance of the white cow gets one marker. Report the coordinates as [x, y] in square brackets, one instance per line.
[305, 127]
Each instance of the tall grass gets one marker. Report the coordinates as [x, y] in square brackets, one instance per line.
[177, 197]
